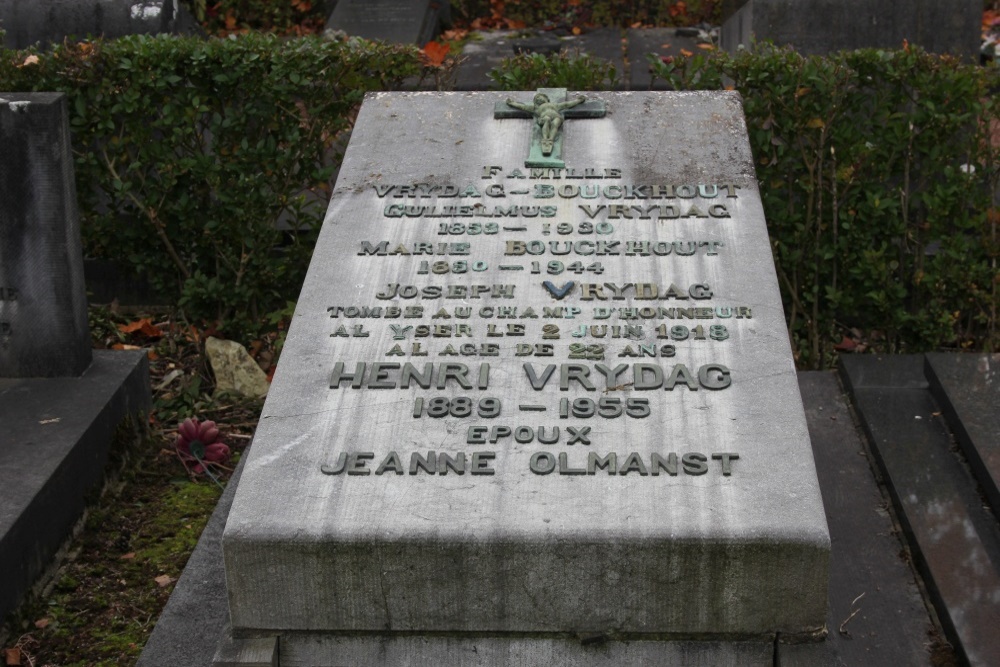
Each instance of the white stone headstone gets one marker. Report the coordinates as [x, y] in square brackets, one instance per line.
[517, 401]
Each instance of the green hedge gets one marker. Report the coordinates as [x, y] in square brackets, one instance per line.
[188, 152]
[877, 172]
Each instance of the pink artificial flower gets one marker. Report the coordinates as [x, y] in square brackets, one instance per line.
[197, 442]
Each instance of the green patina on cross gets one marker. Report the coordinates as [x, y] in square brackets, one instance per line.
[549, 109]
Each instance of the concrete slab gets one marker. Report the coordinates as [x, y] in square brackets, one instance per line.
[482, 55]
[395, 21]
[876, 613]
[956, 541]
[503, 541]
[967, 389]
[519, 652]
[56, 434]
[817, 27]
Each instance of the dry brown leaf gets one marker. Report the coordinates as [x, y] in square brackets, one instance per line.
[129, 556]
[13, 656]
[30, 60]
[434, 53]
[42, 623]
[144, 326]
[164, 580]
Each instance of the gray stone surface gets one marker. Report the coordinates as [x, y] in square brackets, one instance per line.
[891, 626]
[965, 387]
[406, 651]
[51, 21]
[398, 21]
[713, 554]
[55, 435]
[823, 26]
[43, 302]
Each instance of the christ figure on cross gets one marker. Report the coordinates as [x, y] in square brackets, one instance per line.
[548, 115]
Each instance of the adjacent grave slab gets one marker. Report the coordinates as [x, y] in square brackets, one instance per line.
[876, 614]
[956, 540]
[43, 303]
[514, 402]
[55, 443]
[60, 405]
[28, 22]
[398, 21]
[822, 26]
[967, 387]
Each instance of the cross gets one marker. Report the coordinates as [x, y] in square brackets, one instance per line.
[547, 151]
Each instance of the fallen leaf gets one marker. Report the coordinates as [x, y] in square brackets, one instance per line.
[13, 656]
[816, 123]
[686, 53]
[144, 326]
[129, 556]
[576, 30]
[164, 580]
[434, 53]
[123, 346]
[42, 623]
[152, 355]
[30, 60]
[706, 47]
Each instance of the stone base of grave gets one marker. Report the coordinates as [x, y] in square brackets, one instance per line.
[891, 627]
[55, 437]
[496, 651]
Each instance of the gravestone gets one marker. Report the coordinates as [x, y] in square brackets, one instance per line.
[28, 22]
[817, 27]
[536, 414]
[395, 21]
[60, 404]
[43, 301]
